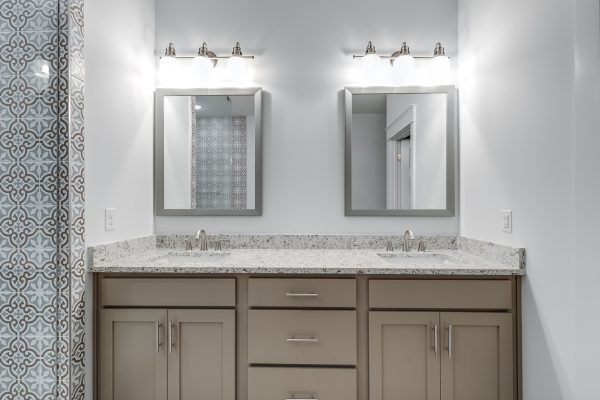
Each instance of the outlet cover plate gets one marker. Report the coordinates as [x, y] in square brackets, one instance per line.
[507, 221]
[110, 219]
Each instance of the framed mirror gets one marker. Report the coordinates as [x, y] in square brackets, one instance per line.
[400, 151]
[208, 152]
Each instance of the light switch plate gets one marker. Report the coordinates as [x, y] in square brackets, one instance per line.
[507, 221]
[110, 219]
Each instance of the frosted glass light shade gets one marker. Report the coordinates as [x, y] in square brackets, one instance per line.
[404, 69]
[237, 68]
[440, 70]
[169, 71]
[202, 69]
[371, 61]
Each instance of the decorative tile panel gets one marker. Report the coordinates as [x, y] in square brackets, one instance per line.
[219, 162]
[41, 199]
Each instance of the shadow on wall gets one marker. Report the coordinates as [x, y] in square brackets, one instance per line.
[536, 342]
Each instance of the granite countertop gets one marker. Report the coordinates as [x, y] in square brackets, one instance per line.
[462, 257]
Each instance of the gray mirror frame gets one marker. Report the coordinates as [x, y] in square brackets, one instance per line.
[451, 135]
[159, 133]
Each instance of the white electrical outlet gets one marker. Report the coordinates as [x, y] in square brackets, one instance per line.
[507, 221]
[110, 219]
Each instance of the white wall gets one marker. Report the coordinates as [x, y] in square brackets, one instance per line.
[120, 64]
[178, 152]
[586, 200]
[368, 162]
[429, 146]
[303, 62]
[529, 105]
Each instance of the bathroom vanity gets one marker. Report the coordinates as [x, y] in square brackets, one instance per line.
[319, 323]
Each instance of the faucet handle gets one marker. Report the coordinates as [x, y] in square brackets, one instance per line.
[218, 245]
[188, 245]
[421, 246]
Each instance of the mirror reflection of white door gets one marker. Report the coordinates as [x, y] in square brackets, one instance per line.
[404, 173]
[399, 165]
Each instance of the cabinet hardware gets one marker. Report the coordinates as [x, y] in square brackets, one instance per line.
[294, 339]
[304, 397]
[302, 294]
[170, 337]
[450, 329]
[157, 325]
[436, 339]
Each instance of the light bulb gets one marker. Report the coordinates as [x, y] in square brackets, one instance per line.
[440, 70]
[237, 68]
[169, 71]
[404, 69]
[371, 61]
[202, 69]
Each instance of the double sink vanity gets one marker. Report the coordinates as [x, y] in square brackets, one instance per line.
[307, 317]
[328, 317]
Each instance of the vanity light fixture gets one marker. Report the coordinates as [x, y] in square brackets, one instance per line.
[168, 66]
[237, 65]
[203, 64]
[371, 59]
[440, 61]
[403, 62]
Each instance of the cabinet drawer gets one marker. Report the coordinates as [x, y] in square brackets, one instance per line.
[440, 294]
[301, 383]
[168, 292]
[302, 337]
[264, 292]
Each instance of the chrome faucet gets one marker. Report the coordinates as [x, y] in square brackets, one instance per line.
[407, 241]
[201, 235]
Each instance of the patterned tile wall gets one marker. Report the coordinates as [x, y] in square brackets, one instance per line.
[41, 199]
[219, 162]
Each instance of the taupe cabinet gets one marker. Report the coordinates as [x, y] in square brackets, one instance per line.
[433, 356]
[190, 337]
[166, 354]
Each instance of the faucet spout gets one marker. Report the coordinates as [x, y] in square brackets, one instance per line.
[201, 236]
[407, 241]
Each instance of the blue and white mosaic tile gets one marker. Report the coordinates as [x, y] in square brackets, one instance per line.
[41, 199]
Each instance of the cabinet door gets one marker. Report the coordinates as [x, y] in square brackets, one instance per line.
[133, 360]
[404, 361]
[477, 361]
[201, 346]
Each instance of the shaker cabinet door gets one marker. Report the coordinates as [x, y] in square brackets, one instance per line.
[133, 357]
[404, 351]
[201, 348]
[477, 361]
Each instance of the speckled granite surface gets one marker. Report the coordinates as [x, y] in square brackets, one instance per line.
[308, 254]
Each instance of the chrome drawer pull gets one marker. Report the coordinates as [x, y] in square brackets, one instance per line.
[303, 397]
[295, 339]
[170, 337]
[157, 325]
[436, 339]
[291, 294]
[450, 330]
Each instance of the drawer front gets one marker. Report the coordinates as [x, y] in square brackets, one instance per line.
[301, 383]
[265, 292]
[302, 337]
[443, 294]
[166, 292]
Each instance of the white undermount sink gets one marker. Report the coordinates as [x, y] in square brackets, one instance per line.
[194, 257]
[414, 258]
